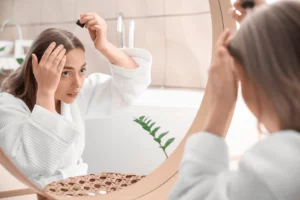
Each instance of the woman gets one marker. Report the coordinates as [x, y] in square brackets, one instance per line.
[48, 98]
[264, 56]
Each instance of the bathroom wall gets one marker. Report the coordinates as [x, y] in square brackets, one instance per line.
[176, 32]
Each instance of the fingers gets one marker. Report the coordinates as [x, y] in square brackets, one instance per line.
[58, 58]
[237, 12]
[91, 23]
[62, 64]
[47, 53]
[88, 14]
[225, 59]
[34, 63]
[54, 54]
[222, 52]
[238, 6]
[221, 43]
[225, 64]
[95, 27]
[237, 17]
[85, 18]
[223, 37]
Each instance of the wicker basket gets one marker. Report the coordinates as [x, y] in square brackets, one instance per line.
[92, 184]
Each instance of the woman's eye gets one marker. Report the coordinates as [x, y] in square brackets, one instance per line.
[66, 74]
[82, 71]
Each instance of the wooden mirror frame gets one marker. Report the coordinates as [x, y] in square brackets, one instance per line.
[158, 184]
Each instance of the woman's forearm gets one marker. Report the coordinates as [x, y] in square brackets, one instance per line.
[118, 57]
[218, 120]
[215, 113]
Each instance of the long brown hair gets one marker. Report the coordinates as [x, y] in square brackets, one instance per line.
[21, 83]
[267, 46]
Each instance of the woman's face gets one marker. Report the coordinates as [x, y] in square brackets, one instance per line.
[72, 76]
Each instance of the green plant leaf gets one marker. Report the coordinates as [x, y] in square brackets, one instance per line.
[154, 131]
[157, 140]
[146, 127]
[162, 135]
[145, 120]
[20, 60]
[152, 125]
[137, 121]
[142, 117]
[168, 143]
[2, 49]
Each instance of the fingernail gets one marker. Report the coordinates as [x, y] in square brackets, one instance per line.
[53, 44]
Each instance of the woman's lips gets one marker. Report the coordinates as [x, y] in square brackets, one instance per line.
[73, 95]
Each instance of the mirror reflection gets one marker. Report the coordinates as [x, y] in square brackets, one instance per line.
[112, 99]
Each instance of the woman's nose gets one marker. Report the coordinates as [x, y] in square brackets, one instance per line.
[77, 82]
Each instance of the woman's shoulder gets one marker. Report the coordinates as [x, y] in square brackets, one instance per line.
[284, 139]
[8, 100]
[280, 147]
[274, 161]
[6, 97]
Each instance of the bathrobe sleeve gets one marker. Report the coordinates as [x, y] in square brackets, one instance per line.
[266, 172]
[103, 95]
[35, 141]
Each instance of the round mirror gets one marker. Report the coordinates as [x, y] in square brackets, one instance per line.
[133, 144]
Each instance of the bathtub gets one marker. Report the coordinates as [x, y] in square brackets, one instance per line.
[118, 144]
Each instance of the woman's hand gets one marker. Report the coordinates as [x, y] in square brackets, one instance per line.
[97, 28]
[48, 71]
[222, 75]
[238, 13]
[47, 74]
[222, 89]
[98, 32]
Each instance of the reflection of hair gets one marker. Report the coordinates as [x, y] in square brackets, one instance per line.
[268, 48]
[22, 83]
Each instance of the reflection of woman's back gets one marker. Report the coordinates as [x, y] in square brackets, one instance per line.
[42, 116]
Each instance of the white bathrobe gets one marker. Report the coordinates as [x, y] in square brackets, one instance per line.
[270, 170]
[47, 147]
